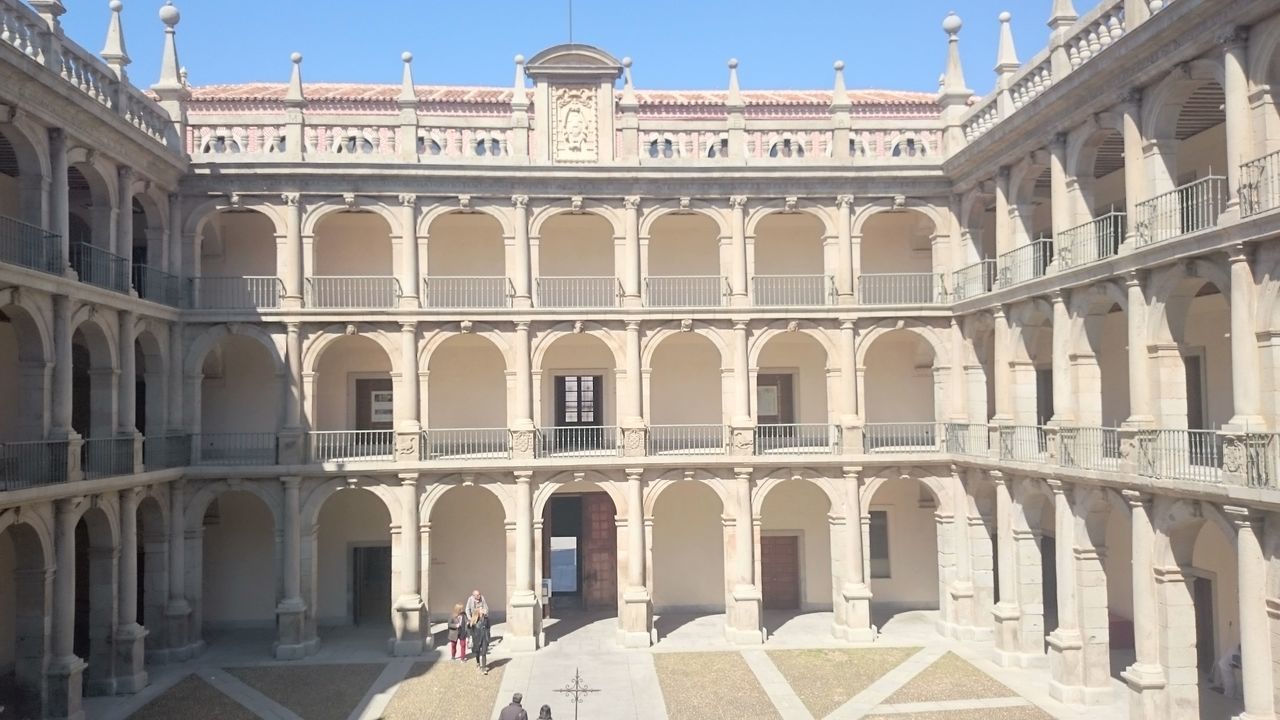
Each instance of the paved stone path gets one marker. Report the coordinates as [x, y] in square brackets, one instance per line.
[630, 681]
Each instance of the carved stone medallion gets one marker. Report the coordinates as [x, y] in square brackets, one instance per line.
[575, 135]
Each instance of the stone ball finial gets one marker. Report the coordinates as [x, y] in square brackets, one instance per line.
[169, 14]
[838, 65]
[951, 24]
[296, 58]
[519, 59]
[406, 56]
[115, 5]
[1006, 16]
[733, 63]
[626, 62]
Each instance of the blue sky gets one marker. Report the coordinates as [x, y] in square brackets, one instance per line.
[674, 43]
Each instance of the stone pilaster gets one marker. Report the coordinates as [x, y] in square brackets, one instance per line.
[291, 633]
[744, 626]
[411, 626]
[635, 626]
[855, 592]
[524, 623]
[130, 655]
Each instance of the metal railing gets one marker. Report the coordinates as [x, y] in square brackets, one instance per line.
[974, 280]
[1095, 240]
[793, 290]
[107, 457]
[96, 266]
[30, 246]
[967, 439]
[341, 445]
[1260, 184]
[901, 437]
[250, 292]
[32, 464]
[685, 291]
[157, 285]
[797, 439]
[161, 452]
[1024, 443]
[901, 289]
[467, 292]
[1025, 263]
[353, 291]
[578, 441]
[578, 292]
[466, 444]
[1183, 210]
[1194, 455]
[233, 449]
[1089, 448]
[687, 440]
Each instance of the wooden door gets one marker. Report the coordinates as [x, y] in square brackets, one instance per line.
[780, 571]
[1206, 651]
[373, 404]
[371, 585]
[599, 552]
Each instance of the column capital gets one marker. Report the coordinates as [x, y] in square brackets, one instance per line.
[408, 479]
[848, 324]
[631, 202]
[1233, 37]
[408, 200]
[1057, 487]
[998, 312]
[522, 326]
[737, 202]
[1237, 253]
[852, 473]
[1058, 296]
[634, 474]
[742, 474]
[1136, 498]
[1243, 518]
[409, 326]
[633, 326]
[125, 173]
[1129, 98]
[520, 202]
[740, 325]
[844, 201]
[290, 481]
[291, 199]
[1133, 278]
[998, 477]
[523, 476]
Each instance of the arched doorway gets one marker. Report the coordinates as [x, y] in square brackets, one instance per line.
[684, 262]
[467, 400]
[686, 396]
[24, 607]
[896, 266]
[577, 399]
[468, 551]
[95, 599]
[237, 595]
[688, 558]
[791, 394]
[578, 554]
[900, 389]
[354, 581]
[576, 262]
[795, 559]
[466, 262]
[789, 265]
[351, 401]
[901, 548]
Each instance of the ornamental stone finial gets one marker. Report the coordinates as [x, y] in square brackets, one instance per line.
[407, 95]
[294, 97]
[840, 95]
[953, 79]
[1006, 55]
[113, 50]
[628, 89]
[734, 98]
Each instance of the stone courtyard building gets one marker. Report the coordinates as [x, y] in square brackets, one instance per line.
[302, 355]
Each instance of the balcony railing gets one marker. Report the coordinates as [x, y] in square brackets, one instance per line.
[107, 457]
[793, 290]
[912, 437]
[578, 292]
[157, 285]
[1194, 455]
[901, 289]
[1024, 443]
[1260, 184]
[96, 266]
[30, 246]
[578, 441]
[974, 280]
[1184, 210]
[1089, 448]
[162, 452]
[233, 449]
[967, 439]
[685, 291]
[353, 291]
[1092, 241]
[467, 292]
[250, 292]
[1262, 460]
[32, 464]
[344, 445]
[687, 440]
[797, 439]
[1025, 263]
[466, 444]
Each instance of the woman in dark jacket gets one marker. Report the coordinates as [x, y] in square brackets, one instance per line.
[480, 638]
[458, 634]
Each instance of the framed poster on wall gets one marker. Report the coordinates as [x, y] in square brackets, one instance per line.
[380, 406]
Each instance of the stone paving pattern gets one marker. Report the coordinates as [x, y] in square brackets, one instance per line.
[712, 685]
[950, 678]
[824, 680]
[314, 692]
[193, 699]
[445, 690]
[1021, 712]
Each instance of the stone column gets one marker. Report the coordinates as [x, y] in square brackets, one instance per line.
[631, 419]
[124, 219]
[59, 194]
[1145, 677]
[177, 611]
[294, 263]
[127, 382]
[408, 426]
[1066, 645]
[1255, 637]
[631, 275]
[847, 404]
[738, 281]
[744, 425]
[845, 280]
[177, 374]
[856, 592]
[61, 400]
[524, 625]
[1239, 128]
[522, 428]
[409, 621]
[744, 626]
[521, 278]
[409, 272]
[292, 642]
[635, 627]
[1007, 611]
[1060, 197]
[965, 616]
[1064, 399]
[1135, 170]
[1246, 391]
[1002, 362]
[1004, 214]
[290, 442]
[130, 660]
[65, 675]
[1139, 381]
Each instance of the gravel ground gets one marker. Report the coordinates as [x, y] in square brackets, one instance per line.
[314, 692]
[711, 685]
[1026, 712]
[193, 698]
[950, 677]
[445, 690]
[826, 679]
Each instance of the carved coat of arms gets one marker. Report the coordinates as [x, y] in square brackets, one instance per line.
[575, 133]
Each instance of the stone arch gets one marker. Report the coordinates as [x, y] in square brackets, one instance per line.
[29, 536]
[1024, 176]
[1084, 142]
[97, 171]
[1162, 288]
[656, 336]
[475, 513]
[314, 497]
[1030, 325]
[1162, 104]
[548, 337]
[437, 338]
[1264, 55]
[941, 497]
[99, 335]
[978, 238]
[210, 338]
[1177, 522]
[196, 219]
[762, 337]
[658, 485]
[31, 320]
[928, 210]
[24, 140]
[197, 503]
[757, 212]
[498, 486]
[545, 212]
[320, 340]
[313, 214]
[29, 379]
[94, 630]
[812, 476]
[926, 332]
[499, 213]
[1085, 301]
[39, 525]
[651, 214]
[548, 487]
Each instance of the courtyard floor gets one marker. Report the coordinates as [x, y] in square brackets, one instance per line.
[801, 673]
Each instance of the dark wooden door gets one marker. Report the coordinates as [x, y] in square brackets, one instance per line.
[1202, 595]
[780, 571]
[775, 403]
[371, 585]
[599, 552]
[373, 396]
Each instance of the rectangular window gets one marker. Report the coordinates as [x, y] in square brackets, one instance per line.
[879, 544]
[576, 399]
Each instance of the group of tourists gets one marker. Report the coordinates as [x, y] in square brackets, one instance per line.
[470, 622]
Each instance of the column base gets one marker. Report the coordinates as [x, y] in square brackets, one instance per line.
[635, 625]
[408, 641]
[1008, 638]
[177, 619]
[291, 629]
[1066, 673]
[131, 659]
[857, 613]
[743, 626]
[65, 680]
[524, 623]
[1147, 684]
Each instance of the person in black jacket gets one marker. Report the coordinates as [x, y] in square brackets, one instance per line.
[480, 638]
[514, 711]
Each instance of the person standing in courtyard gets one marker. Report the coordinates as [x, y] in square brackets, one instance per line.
[480, 638]
[458, 634]
[545, 713]
[476, 600]
[514, 711]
